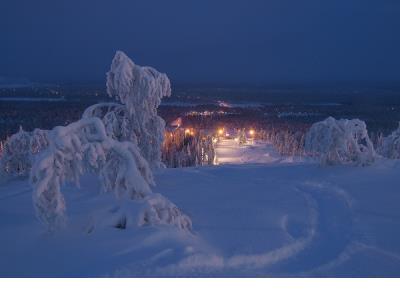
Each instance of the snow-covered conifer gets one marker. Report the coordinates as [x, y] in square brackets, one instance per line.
[19, 150]
[390, 146]
[140, 90]
[340, 142]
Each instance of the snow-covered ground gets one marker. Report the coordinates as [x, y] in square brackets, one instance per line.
[228, 151]
[255, 214]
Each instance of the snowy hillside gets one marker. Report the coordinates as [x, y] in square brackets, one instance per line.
[264, 216]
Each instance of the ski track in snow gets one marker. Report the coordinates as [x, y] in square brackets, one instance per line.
[307, 247]
[299, 220]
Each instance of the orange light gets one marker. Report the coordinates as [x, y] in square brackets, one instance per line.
[187, 131]
[251, 132]
[221, 131]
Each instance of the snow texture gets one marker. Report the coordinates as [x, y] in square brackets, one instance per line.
[342, 141]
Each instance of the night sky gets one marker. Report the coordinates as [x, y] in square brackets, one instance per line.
[260, 41]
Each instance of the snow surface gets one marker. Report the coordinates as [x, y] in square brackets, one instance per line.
[228, 151]
[258, 217]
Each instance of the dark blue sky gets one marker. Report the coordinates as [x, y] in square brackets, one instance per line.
[263, 41]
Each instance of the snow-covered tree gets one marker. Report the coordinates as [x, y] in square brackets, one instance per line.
[76, 148]
[140, 90]
[19, 151]
[390, 146]
[340, 142]
[242, 136]
[116, 141]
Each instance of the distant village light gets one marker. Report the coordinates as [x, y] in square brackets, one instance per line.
[189, 131]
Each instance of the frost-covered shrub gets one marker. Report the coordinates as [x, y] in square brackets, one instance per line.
[390, 146]
[71, 151]
[19, 152]
[340, 142]
[140, 90]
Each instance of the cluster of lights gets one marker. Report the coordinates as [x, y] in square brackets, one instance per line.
[189, 131]
[205, 113]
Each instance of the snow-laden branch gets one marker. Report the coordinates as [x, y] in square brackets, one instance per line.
[116, 120]
[340, 142]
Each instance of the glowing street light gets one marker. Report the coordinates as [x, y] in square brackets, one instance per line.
[221, 131]
[252, 132]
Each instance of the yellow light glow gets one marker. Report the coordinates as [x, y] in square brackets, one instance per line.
[187, 131]
[220, 131]
[251, 132]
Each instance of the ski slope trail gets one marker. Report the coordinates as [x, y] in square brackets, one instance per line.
[228, 151]
[254, 215]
